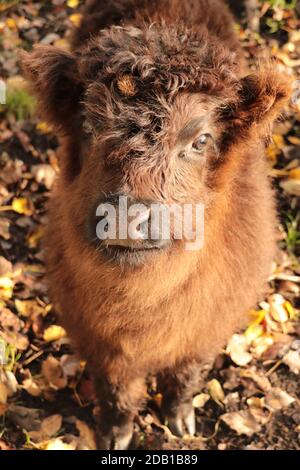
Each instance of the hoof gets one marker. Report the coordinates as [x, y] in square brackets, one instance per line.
[117, 439]
[184, 422]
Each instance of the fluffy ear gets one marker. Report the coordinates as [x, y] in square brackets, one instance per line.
[55, 81]
[261, 98]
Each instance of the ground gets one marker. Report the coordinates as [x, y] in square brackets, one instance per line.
[251, 399]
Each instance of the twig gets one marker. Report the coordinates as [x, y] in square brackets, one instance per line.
[33, 357]
[275, 367]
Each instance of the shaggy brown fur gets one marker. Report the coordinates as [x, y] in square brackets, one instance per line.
[180, 61]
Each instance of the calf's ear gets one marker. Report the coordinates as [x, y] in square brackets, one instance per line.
[260, 98]
[54, 79]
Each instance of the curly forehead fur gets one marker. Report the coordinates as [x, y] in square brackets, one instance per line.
[169, 59]
[162, 63]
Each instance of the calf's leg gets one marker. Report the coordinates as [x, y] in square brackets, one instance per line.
[119, 401]
[178, 387]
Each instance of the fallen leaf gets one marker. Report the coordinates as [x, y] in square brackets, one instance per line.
[73, 3]
[58, 444]
[35, 237]
[76, 19]
[292, 360]
[257, 377]
[43, 127]
[53, 333]
[277, 399]
[29, 308]
[53, 373]
[22, 206]
[216, 392]
[51, 425]
[237, 349]
[70, 364]
[255, 402]
[32, 387]
[27, 418]
[277, 308]
[6, 287]
[253, 332]
[261, 345]
[44, 174]
[242, 422]
[200, 400]
[291, 186]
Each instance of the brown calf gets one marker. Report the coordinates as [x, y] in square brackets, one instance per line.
[151, 104]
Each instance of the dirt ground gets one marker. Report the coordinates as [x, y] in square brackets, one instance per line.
[251, 397]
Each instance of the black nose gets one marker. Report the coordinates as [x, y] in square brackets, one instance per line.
[122, 221]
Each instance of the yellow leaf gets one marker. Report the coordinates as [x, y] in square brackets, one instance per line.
[62, 44]
[257, 316]
[274, 149]
[43, 127]
[278, 140]
[255, 402]
[27, 308]
[6, 287]
[76, 19]
[253, 332]
[216, 392]
[54, 333]
[273, 152]
[11, 24]
[158, 399]
[73, 3]
[294, 174]
[6, 283]
[290, 309]
[34, 239]
[22, 206]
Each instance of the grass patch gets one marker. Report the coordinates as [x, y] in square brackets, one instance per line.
[19, 103]
[292, 241]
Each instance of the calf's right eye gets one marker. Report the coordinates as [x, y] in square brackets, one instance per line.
[200, 143]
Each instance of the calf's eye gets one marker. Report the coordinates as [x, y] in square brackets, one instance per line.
[200, 142]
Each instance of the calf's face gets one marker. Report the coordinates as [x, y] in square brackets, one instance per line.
[151, 119]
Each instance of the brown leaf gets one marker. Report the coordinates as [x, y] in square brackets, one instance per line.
[54, 373]
[278, 399]
[27, 418]
[242, 422]
[51, 425]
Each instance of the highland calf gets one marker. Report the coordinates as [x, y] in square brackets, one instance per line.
[151, 104]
